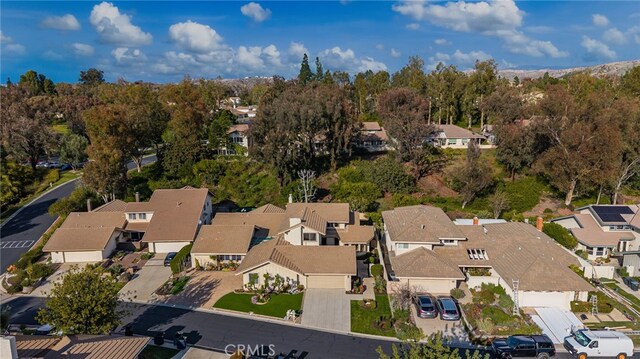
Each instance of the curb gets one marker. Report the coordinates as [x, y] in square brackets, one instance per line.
[37, 198]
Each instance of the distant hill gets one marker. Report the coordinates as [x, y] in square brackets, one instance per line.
[610, 69]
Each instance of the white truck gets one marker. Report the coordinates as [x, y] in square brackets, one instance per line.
[599, 343]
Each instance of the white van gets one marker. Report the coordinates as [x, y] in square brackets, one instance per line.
[599, 343]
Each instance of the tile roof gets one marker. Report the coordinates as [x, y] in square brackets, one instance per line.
[591, 234]
[79, 239]
[94, 220]
[268, 224]
[137, 226]
[356, 233]
[34, 346]
[242, 127]
[220, 239]
[423, 263]
[453, 131]
[113, 206]
[301, 259]
[309, 218]
[268, 208]
[331, 212]
[176, 214]
[419, 224]
[100, 346]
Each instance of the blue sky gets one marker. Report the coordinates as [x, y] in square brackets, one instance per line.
[163, 41]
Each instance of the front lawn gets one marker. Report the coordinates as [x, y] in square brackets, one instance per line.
[277, 306]
[367, 320]
[155, 352]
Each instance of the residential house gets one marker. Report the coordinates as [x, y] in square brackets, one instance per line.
[488, 131]
[72, 346]
[603, 230]
[452, 136]
[167, 222]
[317, 226]
[239, 136]
[428, 252]
[372, 138]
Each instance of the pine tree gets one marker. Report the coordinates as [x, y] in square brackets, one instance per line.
[305, 75]
[319, 71]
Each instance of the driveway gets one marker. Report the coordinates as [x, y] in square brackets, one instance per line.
[327, 309]
[147, 280]
[451, 330]
[45, 288]
[204, 288]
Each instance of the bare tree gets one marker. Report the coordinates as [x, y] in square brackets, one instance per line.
[307, 185]
[402, 296]
[499, 203]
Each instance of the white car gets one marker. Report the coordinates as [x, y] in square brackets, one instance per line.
[599, 343]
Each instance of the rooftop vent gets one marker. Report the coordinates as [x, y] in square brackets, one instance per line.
[422, 226]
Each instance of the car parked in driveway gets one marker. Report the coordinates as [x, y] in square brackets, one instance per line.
[168, 258]
[425, 306]
[538, 346]
[448, 308]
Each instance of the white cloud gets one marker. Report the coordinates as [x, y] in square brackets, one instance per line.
[195, 37]
[296, 51]
[64, 22]
[539, 29]
[597, 50]
[441, 42]
[250, 57]
[395, 53]
[255, 11]
[469, 58]
[380, 47]
[346, 60]
[614, 36]
[15, 49]
[82, 49]
[116, 28]
[125, 55]
[600, 20]
[413, 26]
[504, 64]
[501, 19]
[52, 55]
[5, 39]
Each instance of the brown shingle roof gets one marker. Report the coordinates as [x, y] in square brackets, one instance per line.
[310, 219]
[354, 234]
[113, 206]
[99, 347]
[79, 239]
[419, 224]
[302, 259]
[453, 131]
[371, 126]
[243, 127]
[176, 214]
[94, 220]
[268, 223]
[331, 212]
[268, 208]
[34, 346]
[216, 239]
[591, 234]
[423, 263]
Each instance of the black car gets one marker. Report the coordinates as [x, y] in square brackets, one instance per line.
[539, 346]
[168, 258]
[425, 306]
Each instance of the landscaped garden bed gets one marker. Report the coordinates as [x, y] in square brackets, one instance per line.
[373, 318]
[490, 314]
[277, 306]
[173, 286]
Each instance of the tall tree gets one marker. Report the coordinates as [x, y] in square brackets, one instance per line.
[473, 176]
[37, 84]
[305, 76]
[218, 130]
[481, 83]
[85, 302]
[411, 75]
[405, 112]
[91, 77]
[630, 82]
[319, 70]
[73, 149]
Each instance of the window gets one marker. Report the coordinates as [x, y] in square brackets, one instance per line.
[448, 242]
[132, 216]
[599, 251]
[452, 141]
[590, 250]
[477, 254]
[309, 236]
[142, 216]
[465, 141]
[402, 246]
[612, 228]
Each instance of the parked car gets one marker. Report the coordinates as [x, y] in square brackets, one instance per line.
[448, 308]
[425, 306]
[538, 346]
[168, 258]
[599, 343]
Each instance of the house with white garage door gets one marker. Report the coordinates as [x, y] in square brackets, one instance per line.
[430, 253]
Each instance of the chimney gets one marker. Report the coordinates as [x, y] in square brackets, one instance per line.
[88, 204]
[290, 198]
[539, 223]
[475, 221]
[137, 196]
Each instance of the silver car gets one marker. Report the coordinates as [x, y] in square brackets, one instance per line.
[448, 308]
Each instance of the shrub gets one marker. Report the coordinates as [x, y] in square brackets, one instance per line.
[478, 272]
[178, 284]
[76, 202]
[376, 270]
[622, 271]
[40, 270]
[497, 315]
[116, 269]
[560, 235]
[29, 257]
[52, 176]
[582, 254]
[177, 263]
[457, 293]
[524, 193]
[505, 301]
[146, 256]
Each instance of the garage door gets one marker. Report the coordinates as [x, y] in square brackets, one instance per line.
[433, 286]
[94, 256]
[326, 281]
[166, 247]
[546, 299]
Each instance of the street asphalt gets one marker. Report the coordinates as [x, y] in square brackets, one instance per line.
[21, 232]
[217, 331]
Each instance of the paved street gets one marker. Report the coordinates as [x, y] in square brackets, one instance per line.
[327, 309]
[20, 233]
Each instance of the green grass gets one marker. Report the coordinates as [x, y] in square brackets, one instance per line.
[363, 319]
[524, 193]
[276, 307]
[178, 284]
[154, 352]
[62, 129]
[581, 202]
[633, 299]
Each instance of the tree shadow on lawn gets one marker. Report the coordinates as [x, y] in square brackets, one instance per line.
[196, 293]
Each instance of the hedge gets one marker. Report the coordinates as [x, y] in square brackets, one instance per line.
[560, 234]
[376, 270]
[177, 263]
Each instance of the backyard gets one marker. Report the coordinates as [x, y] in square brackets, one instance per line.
[277, 306]
[374, 318]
